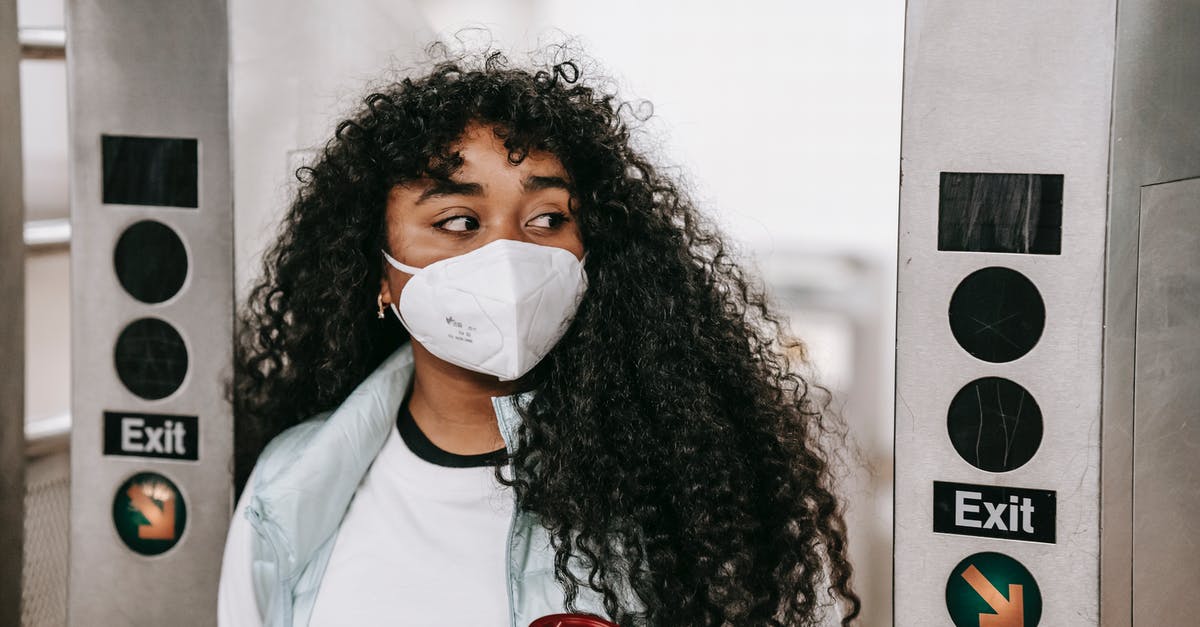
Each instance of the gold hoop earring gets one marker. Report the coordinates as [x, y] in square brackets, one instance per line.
[379, 301]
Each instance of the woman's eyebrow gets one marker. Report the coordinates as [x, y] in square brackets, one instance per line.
[535, 183]
[447, 187]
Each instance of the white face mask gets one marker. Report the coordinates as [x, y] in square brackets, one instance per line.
[498, 309]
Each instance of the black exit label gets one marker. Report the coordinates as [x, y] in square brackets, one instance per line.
[994, 511]
[150, 435]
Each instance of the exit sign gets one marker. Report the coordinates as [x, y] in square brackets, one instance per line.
[994, 511]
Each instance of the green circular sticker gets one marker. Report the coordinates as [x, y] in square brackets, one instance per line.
[993, 590]
[149, 513]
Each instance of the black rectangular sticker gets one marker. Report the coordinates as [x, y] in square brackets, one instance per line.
[1000, 212]
[157, 171]
[151, 435]
[994, 512]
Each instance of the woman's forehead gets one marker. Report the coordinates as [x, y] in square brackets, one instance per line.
[479, 144]
[486, 162]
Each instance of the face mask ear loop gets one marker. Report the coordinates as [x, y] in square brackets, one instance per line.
[403, 268]
[399, 266]
[396, 311]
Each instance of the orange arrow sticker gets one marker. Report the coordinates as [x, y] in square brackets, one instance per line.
[992, 590]
[149, 513]
[162, 521]
[1010, 612]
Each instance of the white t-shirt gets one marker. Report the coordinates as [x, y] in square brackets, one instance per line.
[421, 544]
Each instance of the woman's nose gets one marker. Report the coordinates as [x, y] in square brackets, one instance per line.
[507, 228]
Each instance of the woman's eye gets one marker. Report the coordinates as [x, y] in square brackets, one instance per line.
[457, 223]
[551, 220]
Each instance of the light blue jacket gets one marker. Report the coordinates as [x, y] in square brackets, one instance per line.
[306, 477]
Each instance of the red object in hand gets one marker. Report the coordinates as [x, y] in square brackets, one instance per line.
[571, 620]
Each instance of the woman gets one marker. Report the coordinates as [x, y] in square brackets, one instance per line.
[507, 370]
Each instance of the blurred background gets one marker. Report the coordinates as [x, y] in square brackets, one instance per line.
[783, 118]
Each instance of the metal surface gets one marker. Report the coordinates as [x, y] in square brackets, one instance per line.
[43, 43]
[43, 234]
[51, 435]
[148, 68]
[12, 330]
[47, 499]
[1166, 442]
[1154, 139]
[1012, 87]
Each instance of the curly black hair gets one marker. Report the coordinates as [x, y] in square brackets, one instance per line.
[669, 420]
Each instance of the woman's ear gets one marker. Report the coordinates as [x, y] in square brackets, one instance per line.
[385, 288]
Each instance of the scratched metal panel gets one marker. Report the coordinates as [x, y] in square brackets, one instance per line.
[1155, 100]
[155, 68]
[1011, 87]
[12, 330]
[1166, 442]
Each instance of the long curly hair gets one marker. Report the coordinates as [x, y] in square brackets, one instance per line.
[671, 446]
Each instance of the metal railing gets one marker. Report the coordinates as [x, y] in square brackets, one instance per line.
[43, 43]
[40, 234]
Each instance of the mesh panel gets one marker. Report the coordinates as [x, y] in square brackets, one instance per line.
[47, 502]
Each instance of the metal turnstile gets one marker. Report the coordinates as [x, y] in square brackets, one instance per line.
[1048, 314]
[152, 296]
[166, 96]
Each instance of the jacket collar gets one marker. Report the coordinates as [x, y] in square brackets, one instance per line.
[306, 500]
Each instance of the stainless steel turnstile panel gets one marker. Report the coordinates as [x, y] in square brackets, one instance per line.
[152, 68]
[1032, 87]
[1012, 87]
[1156, 100]
[1166, 438]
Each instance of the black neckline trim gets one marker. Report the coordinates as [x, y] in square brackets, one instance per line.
[422, 447]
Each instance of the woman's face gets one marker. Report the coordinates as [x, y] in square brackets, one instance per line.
[488, 199]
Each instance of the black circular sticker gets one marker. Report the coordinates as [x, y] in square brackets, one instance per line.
[150, 261]
[995, 424]
[997, 314]
[149, 513]
[151, 358]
